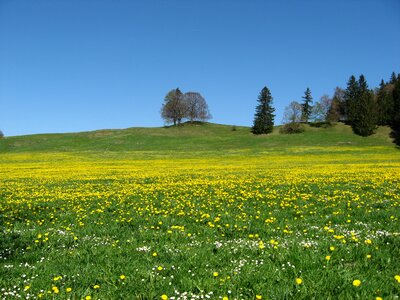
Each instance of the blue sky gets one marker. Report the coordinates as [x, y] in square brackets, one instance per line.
[80, 65]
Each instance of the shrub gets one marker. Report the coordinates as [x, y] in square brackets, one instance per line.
[291, 128]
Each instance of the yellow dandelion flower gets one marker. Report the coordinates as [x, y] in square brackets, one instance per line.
[356, 282]
[332, 248]
[369, 256]
[96, 286]
[55, 290]
[299, 281]
[27, 287]
[159, 268]
[164, 297]
[258, 297]
[68, 290]
[215, 274]
[378, 298]
[122, 277]
[328, 257]
[154, 254]
[88, 298]
[397, 277]
[225, 298]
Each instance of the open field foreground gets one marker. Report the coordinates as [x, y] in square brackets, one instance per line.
[305, 222]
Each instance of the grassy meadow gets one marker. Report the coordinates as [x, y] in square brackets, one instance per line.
[200, 212]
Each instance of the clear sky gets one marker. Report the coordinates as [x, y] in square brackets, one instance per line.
[78, 65]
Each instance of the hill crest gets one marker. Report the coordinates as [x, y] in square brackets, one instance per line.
[190, 137]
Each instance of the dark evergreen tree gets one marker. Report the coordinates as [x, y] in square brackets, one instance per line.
[395, 122]
[393, 78]
[364, 115]
[264, 116]
[385, 105]
[306, 105]
[350, 99]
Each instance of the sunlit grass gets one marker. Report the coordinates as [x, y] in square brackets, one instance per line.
[311, 222]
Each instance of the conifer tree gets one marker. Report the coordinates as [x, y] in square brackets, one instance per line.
[395, 122]
[364, 115]
[350, 98]
[393, 78]
[306, 105]
[264, 116]
[385, 104]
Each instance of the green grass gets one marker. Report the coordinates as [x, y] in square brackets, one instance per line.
[191, 138]
[168, 207]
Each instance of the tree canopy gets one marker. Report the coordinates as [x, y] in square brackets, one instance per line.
[178, 106]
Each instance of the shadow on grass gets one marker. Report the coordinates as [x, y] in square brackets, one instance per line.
[395, 135]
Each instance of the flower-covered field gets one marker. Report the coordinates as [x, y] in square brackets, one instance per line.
[318, 224]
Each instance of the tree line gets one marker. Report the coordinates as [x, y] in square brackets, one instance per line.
[362, 108]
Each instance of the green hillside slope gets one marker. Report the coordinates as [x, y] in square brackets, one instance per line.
[199, 137]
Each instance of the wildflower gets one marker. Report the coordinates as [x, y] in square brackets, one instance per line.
[299, 281]
[368, 242]
[369, 256]
[378, 298]
[154, 254]
[159, 268]
[96, 286]
[215, 274]
[261, 245]
[88, 298]
[328, 257]
[164, 297]
[55, 290]
[68, 289]
[27, 287]
[122, 277]
[332, 248]
[258, 297]
[397, 277]
[225, 298]
[356, 282]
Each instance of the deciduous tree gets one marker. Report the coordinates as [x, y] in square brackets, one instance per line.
[319, 112]
[174, 107]
[196, 107]
[293, 113]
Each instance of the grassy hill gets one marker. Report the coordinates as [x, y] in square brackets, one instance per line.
[200, 211]
[198, 137]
